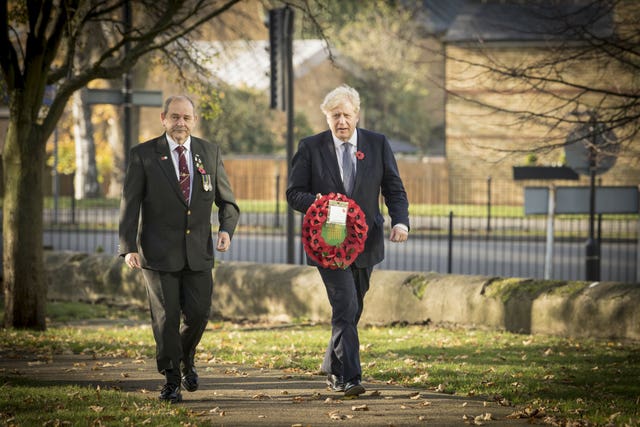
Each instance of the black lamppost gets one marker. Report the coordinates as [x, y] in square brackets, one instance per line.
[591, 149]
[592, 245]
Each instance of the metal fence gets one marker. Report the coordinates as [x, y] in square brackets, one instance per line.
[482, 238]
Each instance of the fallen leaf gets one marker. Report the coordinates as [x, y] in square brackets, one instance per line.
[360, 408]
[261, 396]
[478, 420]
[334, 415]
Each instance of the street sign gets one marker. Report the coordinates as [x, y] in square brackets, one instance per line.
[589, 146]
[575, 200]
[141, 98]
[544, 172]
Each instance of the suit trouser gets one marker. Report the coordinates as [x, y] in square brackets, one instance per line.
[346, 290]
[173, 295]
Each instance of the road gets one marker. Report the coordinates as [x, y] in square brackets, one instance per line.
[499, 257]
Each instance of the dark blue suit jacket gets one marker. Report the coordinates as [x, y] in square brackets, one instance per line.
[314, 169]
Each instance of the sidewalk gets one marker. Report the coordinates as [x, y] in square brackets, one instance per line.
[232, 395]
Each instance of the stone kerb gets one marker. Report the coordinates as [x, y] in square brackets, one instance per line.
[285, 293]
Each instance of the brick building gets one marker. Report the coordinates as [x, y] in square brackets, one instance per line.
[496, 118]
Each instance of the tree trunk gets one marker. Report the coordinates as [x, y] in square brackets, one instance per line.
[24, 282]
[116, 141]
[86, 178]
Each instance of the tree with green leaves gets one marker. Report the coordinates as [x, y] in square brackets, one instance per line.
[241, 122]
[383, 42]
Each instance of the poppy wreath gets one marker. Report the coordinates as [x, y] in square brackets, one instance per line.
[326, 255]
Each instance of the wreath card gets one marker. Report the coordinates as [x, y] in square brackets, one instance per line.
[337, 212]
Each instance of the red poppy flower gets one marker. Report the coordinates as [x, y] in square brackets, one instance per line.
[359, 155]
[326, 255]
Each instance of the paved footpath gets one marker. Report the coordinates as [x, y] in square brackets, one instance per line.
[232, 395]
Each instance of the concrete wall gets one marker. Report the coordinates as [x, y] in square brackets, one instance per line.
[284, 293]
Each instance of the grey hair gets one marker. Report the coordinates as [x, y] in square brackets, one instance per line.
[172, 98]
[338, 96]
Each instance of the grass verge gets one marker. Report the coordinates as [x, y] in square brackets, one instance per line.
[29, 403]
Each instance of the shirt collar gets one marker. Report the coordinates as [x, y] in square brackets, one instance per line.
[353, 140]
[173, 144]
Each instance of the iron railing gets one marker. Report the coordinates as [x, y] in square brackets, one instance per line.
[483, 238]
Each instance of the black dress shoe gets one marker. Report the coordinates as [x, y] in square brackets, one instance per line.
[335, 383]
[171, 393]
[353, 388]
[190, 379]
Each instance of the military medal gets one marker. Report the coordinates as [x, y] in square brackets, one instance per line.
[206, 178]
[206, 182]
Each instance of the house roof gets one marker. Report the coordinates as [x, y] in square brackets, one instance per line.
[246, 64]
[532, 20]
[438, 15]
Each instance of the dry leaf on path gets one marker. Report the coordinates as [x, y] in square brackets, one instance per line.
[261, 396]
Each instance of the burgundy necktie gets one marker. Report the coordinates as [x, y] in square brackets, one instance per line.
[185, 182]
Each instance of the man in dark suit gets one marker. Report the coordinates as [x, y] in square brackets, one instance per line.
[360, 164]
[165, 228]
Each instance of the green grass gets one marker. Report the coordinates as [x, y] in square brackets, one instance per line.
[570, 379]
[30, 403]
[63, 312]
[269, 206]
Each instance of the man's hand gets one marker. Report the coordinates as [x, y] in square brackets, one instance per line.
[224, 241]
[398, 234]
[132, 259]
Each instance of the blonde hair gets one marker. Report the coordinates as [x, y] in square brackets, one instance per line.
[338, 96]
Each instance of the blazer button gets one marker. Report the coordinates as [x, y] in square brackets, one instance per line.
[188, 231]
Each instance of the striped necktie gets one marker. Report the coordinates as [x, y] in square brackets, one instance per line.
[185, 181]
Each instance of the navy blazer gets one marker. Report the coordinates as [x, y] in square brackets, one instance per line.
[156, 221]
[315, 169]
